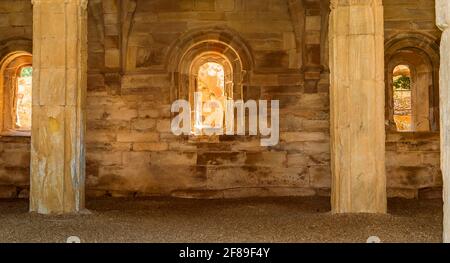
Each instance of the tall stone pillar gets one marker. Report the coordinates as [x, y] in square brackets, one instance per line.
[58, 121]
[357, 106]
[443, 22]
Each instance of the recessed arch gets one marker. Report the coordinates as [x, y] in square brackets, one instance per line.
[402, 97]
[213, 43]
[421, 54]
[211, 75]
[15, 92]
[220, 39]
[13, 45]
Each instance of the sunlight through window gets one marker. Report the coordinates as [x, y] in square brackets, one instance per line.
[402, 98]
[23, 99]
[211, 84]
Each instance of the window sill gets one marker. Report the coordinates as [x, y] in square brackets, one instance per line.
[15, 134]
[418, 133]
[393, 136]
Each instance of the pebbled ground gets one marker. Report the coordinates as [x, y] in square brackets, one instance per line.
[239, 220]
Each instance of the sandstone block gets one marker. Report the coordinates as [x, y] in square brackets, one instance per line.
[221, 158]
[273, 159]
[409, 177]
[135, 136]
[320, 176]
[143, 124]
[151, 147]
[173, 158]
[303, 136]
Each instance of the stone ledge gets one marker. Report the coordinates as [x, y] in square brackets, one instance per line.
[14, 192]
[244, 193]
[431, 193]
[411, 136]
[15, 137]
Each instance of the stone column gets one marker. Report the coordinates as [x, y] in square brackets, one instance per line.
[357, 106]
[443, 22]
[59, 90]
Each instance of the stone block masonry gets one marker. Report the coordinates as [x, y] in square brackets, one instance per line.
[130, 150]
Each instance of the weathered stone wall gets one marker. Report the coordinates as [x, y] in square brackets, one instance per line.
[130, 150]
[405, 16]
[413, 159]
[14, 166]
[413, 165]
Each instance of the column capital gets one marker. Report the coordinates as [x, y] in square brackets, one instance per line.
[83, 3]
[443, 14]
[336, 3]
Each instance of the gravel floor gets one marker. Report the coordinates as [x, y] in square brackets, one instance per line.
[245, 220]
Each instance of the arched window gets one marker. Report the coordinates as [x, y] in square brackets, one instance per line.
[410, 94]
[23, 99]
[226, 57]
[211, 86]
[401, 79]
[15, 93]
[412, 83]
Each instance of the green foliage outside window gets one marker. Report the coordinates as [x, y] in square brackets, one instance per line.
[26, 72]
[402, 83]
